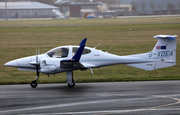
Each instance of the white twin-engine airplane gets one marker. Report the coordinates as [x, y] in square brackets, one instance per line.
[70, 58]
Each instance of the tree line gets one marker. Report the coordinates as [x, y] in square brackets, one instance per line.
[153, 6]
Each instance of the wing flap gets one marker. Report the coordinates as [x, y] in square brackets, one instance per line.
[72, 64]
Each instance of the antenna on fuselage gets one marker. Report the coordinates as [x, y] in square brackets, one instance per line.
[38, 51]
[109, 48]
[97, 45]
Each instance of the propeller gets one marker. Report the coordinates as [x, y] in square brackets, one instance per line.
[37, 54]
[37, 63]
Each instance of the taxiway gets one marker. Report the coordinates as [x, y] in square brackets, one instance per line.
[127, 98]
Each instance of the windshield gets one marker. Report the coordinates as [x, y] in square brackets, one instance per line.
[59, 52]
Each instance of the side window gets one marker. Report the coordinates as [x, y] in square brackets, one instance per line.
[64, 52]
[85, 51]
[59, 53]
[74, 51]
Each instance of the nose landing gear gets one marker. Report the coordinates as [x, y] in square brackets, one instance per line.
[34, 82]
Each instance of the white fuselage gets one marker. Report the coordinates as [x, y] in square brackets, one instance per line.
[93, 59]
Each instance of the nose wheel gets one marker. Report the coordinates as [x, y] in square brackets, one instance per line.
[34, 84]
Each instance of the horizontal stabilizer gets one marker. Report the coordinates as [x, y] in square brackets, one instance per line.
[144, 66]
[152, 66]
[170, 37]
[164, 64]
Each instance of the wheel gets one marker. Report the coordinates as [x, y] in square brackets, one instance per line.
[71, 85]
[34, 84]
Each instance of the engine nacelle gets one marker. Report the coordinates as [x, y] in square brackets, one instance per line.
[47, 68]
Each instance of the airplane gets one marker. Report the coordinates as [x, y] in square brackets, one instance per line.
[58, 14]
[70, 58]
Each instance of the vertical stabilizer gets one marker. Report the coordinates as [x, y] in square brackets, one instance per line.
[165, 49]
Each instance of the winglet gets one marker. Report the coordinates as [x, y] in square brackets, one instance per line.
[83, 42]
[79, 52]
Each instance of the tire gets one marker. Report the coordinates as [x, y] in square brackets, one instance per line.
[34, 84]
[71, 85]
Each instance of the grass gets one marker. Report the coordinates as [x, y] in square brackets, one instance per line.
[17, 42]
[71, 22]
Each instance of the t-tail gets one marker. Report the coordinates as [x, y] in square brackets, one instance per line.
[163, 55]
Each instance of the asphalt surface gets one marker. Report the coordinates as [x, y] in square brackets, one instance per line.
[114, 98]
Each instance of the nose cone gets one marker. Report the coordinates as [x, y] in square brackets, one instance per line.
[11, 63]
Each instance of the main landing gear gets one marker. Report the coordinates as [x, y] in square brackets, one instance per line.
[70, 80]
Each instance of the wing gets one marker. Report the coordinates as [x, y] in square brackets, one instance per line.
[74, 61]
[79, 52]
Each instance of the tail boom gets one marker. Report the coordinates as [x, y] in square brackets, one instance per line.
[163, 55]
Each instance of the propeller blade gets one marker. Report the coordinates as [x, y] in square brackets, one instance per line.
[38, 51]
[36, 56]
[37, 66]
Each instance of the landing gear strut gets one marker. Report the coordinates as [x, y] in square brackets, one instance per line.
[70, 80]
[34, 82]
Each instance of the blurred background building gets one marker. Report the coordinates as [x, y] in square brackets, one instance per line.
[83, 8]
[26, 10]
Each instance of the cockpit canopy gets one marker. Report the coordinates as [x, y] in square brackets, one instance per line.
[58, 52]
[67, 51]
